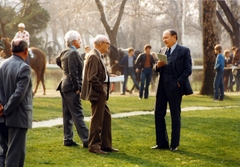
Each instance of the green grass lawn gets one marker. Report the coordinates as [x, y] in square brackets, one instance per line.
[48, 108]
[208, 138]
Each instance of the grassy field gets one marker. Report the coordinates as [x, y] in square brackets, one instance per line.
[208, 138]
[48, 108]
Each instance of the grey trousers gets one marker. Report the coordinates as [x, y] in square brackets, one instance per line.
[14, 153]
[73, 113]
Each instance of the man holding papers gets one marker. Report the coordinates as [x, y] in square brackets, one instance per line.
[174, 70]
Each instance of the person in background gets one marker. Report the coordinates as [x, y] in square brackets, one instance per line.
[22, 33]
[70, 88]
[16, 104]
[231, 78]
[227, 72]
[129, 69]
[144, 63]
[96, 89]
[86, 51]
[236, 72]
[218, 84]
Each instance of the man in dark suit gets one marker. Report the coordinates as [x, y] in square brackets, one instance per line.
[70, 87]
[128, 62]
[96, 90]
[173, 84]
[16, 99]
[144, 63]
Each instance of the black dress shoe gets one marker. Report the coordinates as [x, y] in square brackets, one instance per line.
[110, 149]
[70, 143]
[173, 149]
[161, 148]
[85, 145]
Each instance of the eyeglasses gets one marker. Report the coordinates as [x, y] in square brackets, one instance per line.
[106, 43]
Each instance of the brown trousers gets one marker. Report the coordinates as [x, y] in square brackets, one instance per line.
[100, 135]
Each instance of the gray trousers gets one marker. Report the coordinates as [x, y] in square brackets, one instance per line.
[73, 113]
[13, 141]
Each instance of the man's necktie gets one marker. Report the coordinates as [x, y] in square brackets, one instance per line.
[168, 52]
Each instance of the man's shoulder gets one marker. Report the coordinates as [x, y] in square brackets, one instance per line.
[93, 54]
[15, 61]
[181, 47]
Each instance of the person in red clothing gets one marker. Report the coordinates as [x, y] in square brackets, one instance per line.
[144, 63]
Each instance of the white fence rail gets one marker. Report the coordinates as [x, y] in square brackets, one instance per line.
[54, 66]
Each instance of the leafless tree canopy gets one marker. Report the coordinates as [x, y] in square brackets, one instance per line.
[131, 22]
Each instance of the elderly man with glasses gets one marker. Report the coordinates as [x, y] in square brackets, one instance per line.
[96, 90]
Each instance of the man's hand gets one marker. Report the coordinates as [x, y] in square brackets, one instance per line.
[116, 62]
[178, 84]
[137, 70]
[112, 75]
[78, 91]
[160, 64]
[1, 109]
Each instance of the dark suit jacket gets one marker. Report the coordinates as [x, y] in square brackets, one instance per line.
[94, 85]
[124, 62]
[72, 65]
[182, 67]
[16, 92]
[140, 61]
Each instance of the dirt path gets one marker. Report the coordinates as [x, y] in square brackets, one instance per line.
[59, 121]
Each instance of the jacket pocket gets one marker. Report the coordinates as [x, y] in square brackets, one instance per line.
[93, 95]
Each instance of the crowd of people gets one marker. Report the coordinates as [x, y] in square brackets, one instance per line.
[227, 71]
[94, 86]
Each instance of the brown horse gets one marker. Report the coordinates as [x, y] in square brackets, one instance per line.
[37, 63]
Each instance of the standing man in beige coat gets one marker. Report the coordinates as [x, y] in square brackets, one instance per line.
[96, 90]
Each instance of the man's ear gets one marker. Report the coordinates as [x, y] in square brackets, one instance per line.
[11, 50]
[26, 52]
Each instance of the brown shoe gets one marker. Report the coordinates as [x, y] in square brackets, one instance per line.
[110, 149]
[98, 151]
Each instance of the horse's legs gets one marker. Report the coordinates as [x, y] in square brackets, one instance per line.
[37, 83]
[43, 85]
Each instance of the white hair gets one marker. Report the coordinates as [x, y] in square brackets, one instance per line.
[100, 38]
[70, 36]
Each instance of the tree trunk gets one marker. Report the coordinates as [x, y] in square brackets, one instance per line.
[210, 39]
[3, 30]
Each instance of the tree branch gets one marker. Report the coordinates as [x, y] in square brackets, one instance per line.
[103, 17]
[224, 24]
[227, 12]
[119, 18]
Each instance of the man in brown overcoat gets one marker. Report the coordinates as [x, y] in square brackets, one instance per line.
[96, 90]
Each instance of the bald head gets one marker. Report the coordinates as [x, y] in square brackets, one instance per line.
[18, 45]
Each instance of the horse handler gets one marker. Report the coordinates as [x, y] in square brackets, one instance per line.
[70, 87]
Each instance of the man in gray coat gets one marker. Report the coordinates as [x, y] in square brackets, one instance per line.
[70, 87]
[16, 108]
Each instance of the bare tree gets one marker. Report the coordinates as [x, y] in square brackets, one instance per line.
[210, 39]
[112, 32]
[231, 23]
